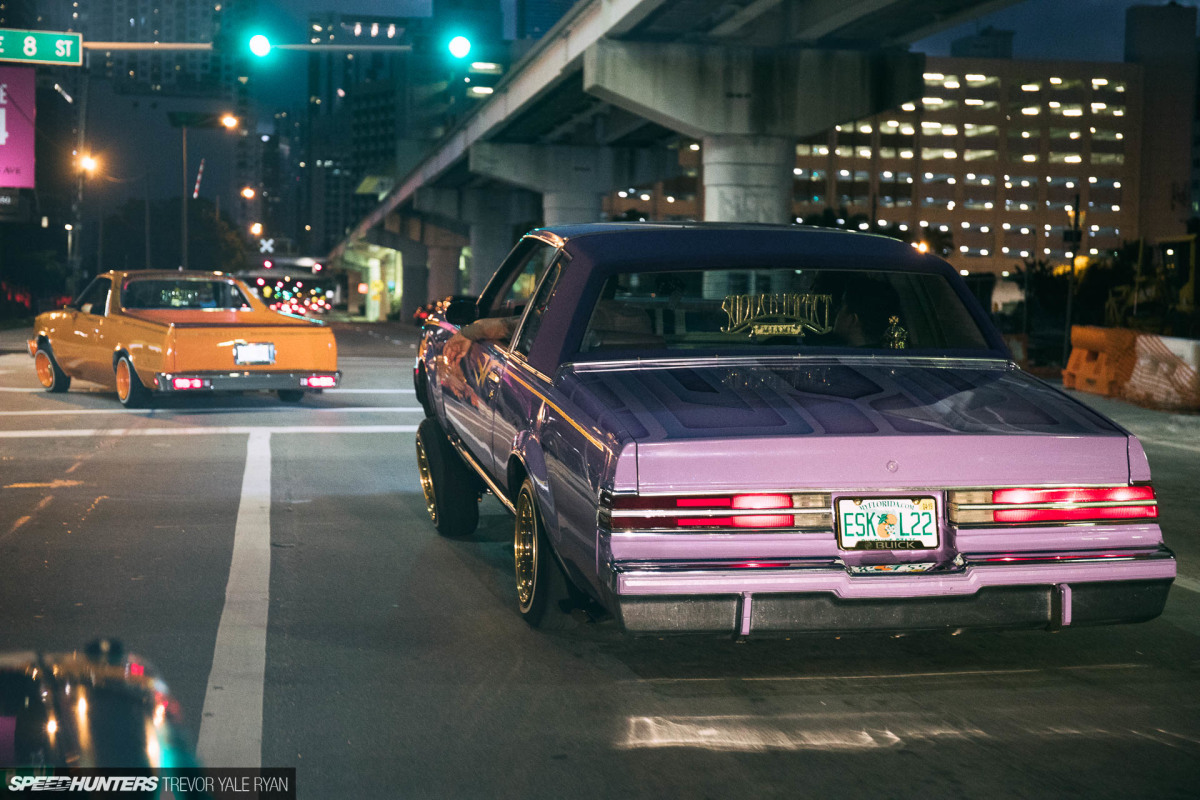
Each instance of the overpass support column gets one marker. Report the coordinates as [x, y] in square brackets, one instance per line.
[749, 105]
[563, 207]
[748, 178]
[573, 180]
[443, 270]
[489, 216]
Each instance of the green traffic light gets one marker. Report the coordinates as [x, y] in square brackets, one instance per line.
[260, 45]
[459, 46]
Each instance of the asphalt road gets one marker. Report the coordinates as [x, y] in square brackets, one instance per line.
[390, 662]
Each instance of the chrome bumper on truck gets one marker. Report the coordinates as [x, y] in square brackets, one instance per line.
[245, 381]
[821, 595]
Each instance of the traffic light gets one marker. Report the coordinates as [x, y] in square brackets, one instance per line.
[459, 47]
[259, 45]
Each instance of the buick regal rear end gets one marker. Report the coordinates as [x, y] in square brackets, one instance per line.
[815, 431]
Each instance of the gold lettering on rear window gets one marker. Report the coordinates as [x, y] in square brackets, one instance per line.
[777, 314]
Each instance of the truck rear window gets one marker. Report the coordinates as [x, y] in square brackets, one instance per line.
[183, 294]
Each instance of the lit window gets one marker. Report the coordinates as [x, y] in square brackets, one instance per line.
[1029, 87]
[909, 107]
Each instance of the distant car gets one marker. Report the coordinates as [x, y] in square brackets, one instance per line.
[160, 332]
[436, 309]
[759, 430]
[101, 707]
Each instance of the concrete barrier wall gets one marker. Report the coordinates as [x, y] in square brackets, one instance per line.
[1152, 371]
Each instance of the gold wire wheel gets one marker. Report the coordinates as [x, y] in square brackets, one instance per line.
[45, 368]
[525, 551]
[426, 481]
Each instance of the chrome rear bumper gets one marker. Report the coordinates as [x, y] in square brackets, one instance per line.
[820, 595]
[241, 381]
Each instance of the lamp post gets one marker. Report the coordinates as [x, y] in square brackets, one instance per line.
[1073, 236]
[194, 119]
[85, 166]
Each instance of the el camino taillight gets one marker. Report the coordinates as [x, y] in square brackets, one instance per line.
[1039, 505]
[809, 510]
[319, 381]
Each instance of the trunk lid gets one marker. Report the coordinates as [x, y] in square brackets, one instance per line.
[869, 423]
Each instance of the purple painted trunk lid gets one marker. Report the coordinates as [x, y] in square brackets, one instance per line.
[861, 423]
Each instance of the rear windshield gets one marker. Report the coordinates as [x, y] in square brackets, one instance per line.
[168, 293]
[780, 309]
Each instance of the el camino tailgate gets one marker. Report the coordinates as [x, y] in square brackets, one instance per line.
[253, 348]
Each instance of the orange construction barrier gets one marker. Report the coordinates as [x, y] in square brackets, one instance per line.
[1167, 374]
[1102, 360]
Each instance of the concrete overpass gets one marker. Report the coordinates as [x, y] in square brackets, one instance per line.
[595, 103]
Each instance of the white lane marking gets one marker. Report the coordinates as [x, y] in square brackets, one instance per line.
[8, 389]
[1187, 583]
[365, 391]
[231, 723]
[759, 734]
[169, 412]
[198, 431]
[968, 673]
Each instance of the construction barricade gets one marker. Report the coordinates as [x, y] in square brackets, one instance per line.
[1166, 375]
[1102, 360]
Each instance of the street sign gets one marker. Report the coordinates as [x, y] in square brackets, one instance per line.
[41, 47]
[17, 95]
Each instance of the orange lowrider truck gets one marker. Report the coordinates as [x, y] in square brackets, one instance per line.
[156, 332]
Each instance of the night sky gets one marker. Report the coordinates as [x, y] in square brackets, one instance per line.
[1074, 30]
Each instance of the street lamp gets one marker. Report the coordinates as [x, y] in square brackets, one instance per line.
[194, 119]
[248, 193]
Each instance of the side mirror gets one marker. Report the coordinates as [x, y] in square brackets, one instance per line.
[461, 311]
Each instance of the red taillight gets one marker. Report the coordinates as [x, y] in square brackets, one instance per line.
[1082, 504]
[320, 381]
[187, 383]
[1075, 514]
[1121, 494]
[714, 511]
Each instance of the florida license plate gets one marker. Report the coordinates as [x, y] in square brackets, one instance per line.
[255, 353]
[887, 523]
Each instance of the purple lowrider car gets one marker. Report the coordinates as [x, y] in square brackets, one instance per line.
[764, 430]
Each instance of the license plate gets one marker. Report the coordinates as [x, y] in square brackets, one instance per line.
[256, 353]
[887, 523]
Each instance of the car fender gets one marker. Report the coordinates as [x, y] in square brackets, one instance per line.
[528, 451]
